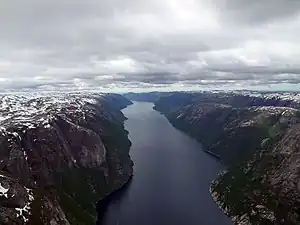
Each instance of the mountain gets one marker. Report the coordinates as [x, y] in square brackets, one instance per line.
[59, 154]
[257, 137]
[145, 97]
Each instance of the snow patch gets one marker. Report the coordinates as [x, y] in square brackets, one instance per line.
[33, 109]
[179, 116]
[3, 190]
[247, 123]
[3, 118]
[25, 155]
[16, 135]
[47, 126]
[2, 129]
[21, 212]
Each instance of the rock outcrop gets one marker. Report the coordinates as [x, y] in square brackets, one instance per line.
[258, 139]
[59, 154]
[264, 188]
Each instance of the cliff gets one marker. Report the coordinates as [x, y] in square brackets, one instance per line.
[59, 154]
[266, 184]
[258, 140]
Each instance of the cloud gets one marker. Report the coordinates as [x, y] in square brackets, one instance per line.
[136, 44]
[257, 12]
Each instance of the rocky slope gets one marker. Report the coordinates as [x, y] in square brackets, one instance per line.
[59, 154]
[258, 139]
[264, 189]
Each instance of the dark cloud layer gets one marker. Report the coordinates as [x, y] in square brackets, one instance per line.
[135, 44]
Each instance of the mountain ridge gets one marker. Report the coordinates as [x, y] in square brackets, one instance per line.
[257, 137]
[54, 149]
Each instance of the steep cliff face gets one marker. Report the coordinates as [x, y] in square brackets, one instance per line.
[59, 155]
[258, 141]
[227, 131]
[264, 189]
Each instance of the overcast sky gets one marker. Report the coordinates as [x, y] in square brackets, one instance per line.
[121, 45]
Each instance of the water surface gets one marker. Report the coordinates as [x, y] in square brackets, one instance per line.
[171, 176]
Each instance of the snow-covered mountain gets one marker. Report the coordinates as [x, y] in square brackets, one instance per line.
[53, 148]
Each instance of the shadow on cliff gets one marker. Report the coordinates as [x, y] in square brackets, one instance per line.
[112, 200]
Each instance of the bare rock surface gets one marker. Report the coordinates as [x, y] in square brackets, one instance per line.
[257, 136]
[59, 154]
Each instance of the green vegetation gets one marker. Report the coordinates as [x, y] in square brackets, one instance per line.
[78, 192]
[74, 212]
[36, 205]
[244, 187]
[79, 189]
[244, 140]
[219, 133]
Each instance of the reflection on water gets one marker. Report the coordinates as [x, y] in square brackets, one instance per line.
[171, 177]
[113, 199]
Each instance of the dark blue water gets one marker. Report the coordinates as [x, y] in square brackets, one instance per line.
[171, 179]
